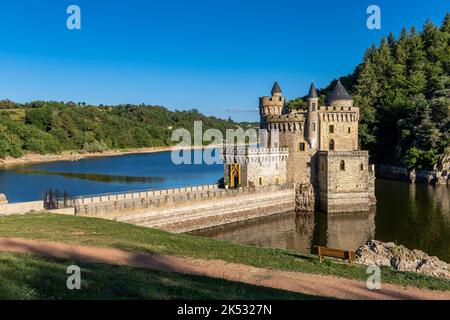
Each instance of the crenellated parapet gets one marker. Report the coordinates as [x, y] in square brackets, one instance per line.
[246, 154]
[287, 122]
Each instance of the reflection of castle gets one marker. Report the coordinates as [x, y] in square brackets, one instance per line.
[350, 231]
[317, 147]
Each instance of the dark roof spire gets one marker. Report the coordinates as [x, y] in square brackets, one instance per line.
[276, 88]
[339, 93]
[312, 91]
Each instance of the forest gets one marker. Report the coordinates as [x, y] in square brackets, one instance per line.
[402, 89]
[51, 127]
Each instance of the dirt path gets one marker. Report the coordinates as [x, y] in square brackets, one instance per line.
[319, 285]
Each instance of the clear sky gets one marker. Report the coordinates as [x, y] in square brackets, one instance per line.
[217, 56]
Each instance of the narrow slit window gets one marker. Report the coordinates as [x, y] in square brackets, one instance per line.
[331, 128]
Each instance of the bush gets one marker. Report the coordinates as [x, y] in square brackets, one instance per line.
[95, 146]
[421, 160]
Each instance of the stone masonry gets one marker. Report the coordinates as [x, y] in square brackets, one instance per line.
[321, 150]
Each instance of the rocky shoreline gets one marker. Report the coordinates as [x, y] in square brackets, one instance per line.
[400, 258]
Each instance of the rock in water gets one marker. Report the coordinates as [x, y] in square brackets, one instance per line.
[3, 199]
[401, 258]
[304, 197]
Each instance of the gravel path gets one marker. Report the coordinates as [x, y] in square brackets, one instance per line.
[319, 285]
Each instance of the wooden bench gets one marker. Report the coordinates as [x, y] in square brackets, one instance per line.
[335, 253]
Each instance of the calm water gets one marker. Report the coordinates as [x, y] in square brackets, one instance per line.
[104, 175]
[417, 216]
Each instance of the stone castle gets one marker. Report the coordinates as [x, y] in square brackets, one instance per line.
[317, 149]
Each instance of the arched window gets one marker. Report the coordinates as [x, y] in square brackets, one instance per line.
[342, 165]
[331, 146]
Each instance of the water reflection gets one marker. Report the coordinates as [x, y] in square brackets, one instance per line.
[414, 215]
[107, 178]
[299, 231]
[350, 231]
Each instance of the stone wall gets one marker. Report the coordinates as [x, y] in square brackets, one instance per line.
[21, 207]
[195, 215]
[345, 135]
[113, 197]
[345, 181]
[170, 198]
[265, 165]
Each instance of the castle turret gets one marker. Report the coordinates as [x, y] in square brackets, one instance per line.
[271, 106]
[339, 97]
[313, 109]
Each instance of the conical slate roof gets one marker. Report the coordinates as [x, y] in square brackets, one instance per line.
[312, 91]
[339, 93]
[276, 88]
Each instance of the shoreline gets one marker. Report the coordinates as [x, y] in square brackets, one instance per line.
[32, 158]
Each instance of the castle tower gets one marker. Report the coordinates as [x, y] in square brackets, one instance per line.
[339, 97]
[339, 122]
[271, 106]
[312, 117]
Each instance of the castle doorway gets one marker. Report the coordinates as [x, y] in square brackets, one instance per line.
[235, 175]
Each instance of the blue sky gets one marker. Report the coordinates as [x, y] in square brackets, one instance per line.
[214, 55]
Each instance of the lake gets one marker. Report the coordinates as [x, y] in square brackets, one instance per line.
[415, 215]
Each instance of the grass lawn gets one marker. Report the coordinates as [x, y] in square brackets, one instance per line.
[105, 233]
[33, 277]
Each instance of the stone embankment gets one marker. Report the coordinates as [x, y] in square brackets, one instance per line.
[220, 208]
[402, 259]
[437, 177]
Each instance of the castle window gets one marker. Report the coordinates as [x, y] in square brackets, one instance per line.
[342, 165]
[331, 145]
[323, 167]
[313, 126]
[349, 130]
[302, 146]
[331, 128]
[361, 167]
[279, 99]
[313, 106]
[260, 181]
[308, 164]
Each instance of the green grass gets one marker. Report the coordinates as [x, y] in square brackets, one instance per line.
[33, 277]
[105, 233]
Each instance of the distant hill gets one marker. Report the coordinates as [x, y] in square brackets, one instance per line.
[50, 127]
[401, 88]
